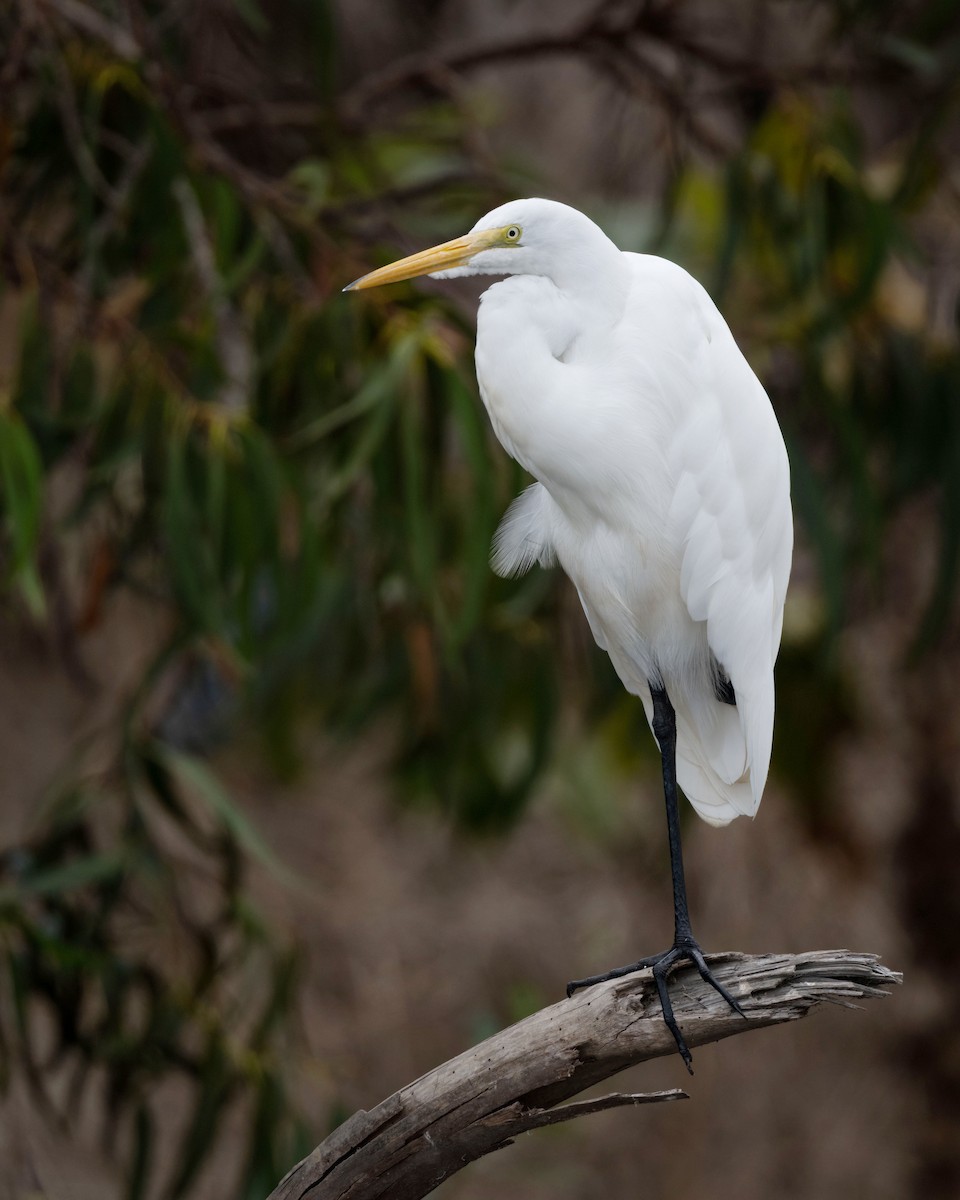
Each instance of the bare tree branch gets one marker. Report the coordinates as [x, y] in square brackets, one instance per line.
[598, 36]
[515, 1080]
[91, 22]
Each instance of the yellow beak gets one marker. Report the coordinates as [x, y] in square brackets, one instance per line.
[447, 255]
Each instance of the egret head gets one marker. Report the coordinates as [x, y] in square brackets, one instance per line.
[523, 237]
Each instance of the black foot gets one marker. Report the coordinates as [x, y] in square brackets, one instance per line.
[684, 948]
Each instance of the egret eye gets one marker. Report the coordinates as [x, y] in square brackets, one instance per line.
[513, 233]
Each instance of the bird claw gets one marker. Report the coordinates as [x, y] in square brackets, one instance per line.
[685, 948]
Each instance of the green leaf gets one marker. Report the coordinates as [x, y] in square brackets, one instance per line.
[376, 394]
[189, 553]
[216, 1083]
[21, 478]
[312, 176]
[253, 15]
[200, 780]
[809, 502]
[82, 872]
[478, 505]
[417, 511]
[943, 594]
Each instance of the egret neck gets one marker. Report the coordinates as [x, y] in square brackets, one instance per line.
[534, 331]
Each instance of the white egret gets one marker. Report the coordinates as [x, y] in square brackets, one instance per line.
[662, 490]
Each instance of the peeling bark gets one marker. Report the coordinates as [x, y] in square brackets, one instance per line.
[515, 1081]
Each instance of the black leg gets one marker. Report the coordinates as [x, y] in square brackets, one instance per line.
[685, 945]
[665, 731]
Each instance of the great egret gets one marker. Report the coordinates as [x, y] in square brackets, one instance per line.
[663, 491]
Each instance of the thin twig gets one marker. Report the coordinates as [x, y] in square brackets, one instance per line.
[73, 125]
[597, 33]
[94, 24]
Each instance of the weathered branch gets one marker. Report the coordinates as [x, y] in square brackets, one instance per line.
[515, 1080]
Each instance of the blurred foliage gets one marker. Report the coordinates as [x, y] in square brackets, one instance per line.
[823, 247]
[134, 955]
[304, 486]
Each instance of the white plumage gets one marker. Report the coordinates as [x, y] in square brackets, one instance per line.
[663, 483]
[663, 479]
[663, 490]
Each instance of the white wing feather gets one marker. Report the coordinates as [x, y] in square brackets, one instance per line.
[731, 514]
[522, 537]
